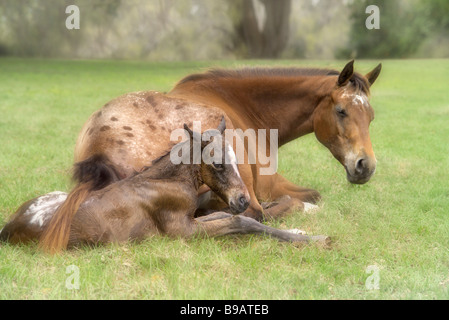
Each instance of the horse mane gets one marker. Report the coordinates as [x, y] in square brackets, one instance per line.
[153, 163]
[156, 161]
[357, 80]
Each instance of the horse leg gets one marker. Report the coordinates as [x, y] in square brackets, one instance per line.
[254, 209]
[223, 224]
[284, 206]
[276, 186]
[289, 197]
[214, 216]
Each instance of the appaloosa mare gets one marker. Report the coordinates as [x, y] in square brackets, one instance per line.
[161, 199]
[135, 128]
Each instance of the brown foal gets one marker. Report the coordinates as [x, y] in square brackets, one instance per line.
[159, 200]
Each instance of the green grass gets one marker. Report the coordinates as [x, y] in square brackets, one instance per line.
[398, 222]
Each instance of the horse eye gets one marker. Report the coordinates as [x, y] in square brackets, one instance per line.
[341, 112]
[218, 166]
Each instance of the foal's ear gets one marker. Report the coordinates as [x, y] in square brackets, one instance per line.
[346, 74]
[186, 127]
[222, 125]
[372, 76]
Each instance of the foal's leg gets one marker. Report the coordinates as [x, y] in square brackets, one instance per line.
[214, 216]
[227, 224]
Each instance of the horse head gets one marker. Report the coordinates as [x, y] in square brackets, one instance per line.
[341, 123]
[219, 169]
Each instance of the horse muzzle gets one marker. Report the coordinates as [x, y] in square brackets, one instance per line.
[360, 170]
[239, 203]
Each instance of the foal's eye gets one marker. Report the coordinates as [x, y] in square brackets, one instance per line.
[218, 166]
[340, 111]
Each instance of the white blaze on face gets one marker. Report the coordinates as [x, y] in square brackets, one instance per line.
[43, 208]
[360, 100]
[357, 99]
[231, 159]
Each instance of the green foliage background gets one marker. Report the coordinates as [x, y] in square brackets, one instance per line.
[202, 30]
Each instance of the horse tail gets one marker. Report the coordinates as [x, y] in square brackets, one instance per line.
[4, 236]
[91, 174]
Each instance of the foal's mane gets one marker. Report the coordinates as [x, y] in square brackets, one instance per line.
[164, 157]
[358, 81]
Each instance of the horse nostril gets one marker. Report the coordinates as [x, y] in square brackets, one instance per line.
[360, 165]
[243, 202]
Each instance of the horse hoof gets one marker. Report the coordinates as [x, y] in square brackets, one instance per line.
[297, 231]
[254, 215]
[324, 241]
[309, 207]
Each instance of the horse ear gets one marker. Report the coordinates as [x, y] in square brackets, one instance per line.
[372, 76]
[222, 125]
[346, 74]
[186, 127]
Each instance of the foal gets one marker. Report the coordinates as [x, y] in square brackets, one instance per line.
[161, 199]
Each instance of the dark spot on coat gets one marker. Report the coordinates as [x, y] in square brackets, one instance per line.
[91, 130]
[135, 104]
[129, 134]
[120, 142]
[151, 100]
[127, 128]
[179, 107]
[163, 128]
[114, 119]
[152, 127]
[104, 128]
[160, 116]
[99, 114]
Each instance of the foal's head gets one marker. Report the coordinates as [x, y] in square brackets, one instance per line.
[342, 120]
[219, 168]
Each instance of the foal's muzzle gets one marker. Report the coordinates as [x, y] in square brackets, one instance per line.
[239, 204]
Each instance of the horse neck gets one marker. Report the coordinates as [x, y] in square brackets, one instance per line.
[283, 103]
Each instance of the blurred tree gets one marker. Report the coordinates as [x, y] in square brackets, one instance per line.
[436, 17]
[204, 29]
[261, 27]
[402, 30]
[37, 28]
[317, 29]
[437, 12]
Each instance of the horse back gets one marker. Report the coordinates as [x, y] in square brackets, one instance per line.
[135, 129]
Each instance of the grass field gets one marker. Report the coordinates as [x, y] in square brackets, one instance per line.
[398, 222]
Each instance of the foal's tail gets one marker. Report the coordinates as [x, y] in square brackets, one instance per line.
[91, 174]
